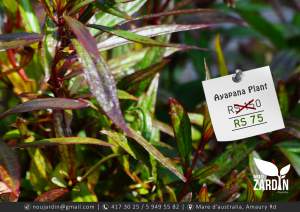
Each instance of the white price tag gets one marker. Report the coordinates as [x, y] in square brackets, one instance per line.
[243, 109]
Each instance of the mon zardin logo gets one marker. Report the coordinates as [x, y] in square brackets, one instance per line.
[277, 180]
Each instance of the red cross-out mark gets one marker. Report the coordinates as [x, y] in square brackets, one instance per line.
[246, 106]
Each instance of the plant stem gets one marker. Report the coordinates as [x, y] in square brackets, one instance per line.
[12, 60]
[189, 172]
[93, 168]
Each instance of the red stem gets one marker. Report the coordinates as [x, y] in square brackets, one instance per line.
[188, 175]
[12, 60]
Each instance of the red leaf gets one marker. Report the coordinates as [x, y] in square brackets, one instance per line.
[9, 171]
[52, 195]
[46, 103]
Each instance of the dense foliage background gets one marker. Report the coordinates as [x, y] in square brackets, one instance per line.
[101, 100]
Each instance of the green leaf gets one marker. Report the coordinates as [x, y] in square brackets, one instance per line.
[264, 27]
[15, 40]
[163, 127]
[125, 95]
[10, 5]
[253, 168]
[78, 5]
[283, 99]
[221, 60]
[125, 65]
[171, 193]
[47, 51]
[118, 139]
[31, 22]
[110, 8]
[81, 193]
[147, 103]
[40, 170]
[204, 172]
[143, 34]
[156, 154]
[46, 103]
[65, 141]
[182, 130]
[254, 171]
[291, 149]
[153, 56]
[109, 20]
[233, 155]
[148, 100]
[60, 174]
[250, 192]
[96, 167]
[196, 119]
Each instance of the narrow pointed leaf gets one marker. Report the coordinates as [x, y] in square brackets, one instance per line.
[156, 154]
[96, 72]
[134, 37]
[46, 103]
[102, 85]
[79, 5]
[15, 40]
[203, 172]
[206, 16]
[126, 96]
[120, 140]
[141, 75]
[291, 150]
[196, 118]
[107, 19]
[141, 35]
[250, 193]
[182, 130]
[148, 100]
[163, 127]
[207, 71]
[221, 60]
[126, 65]
[83, 36]
[30, 20]
[65, 141]
[253, 168]
[110, 8]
